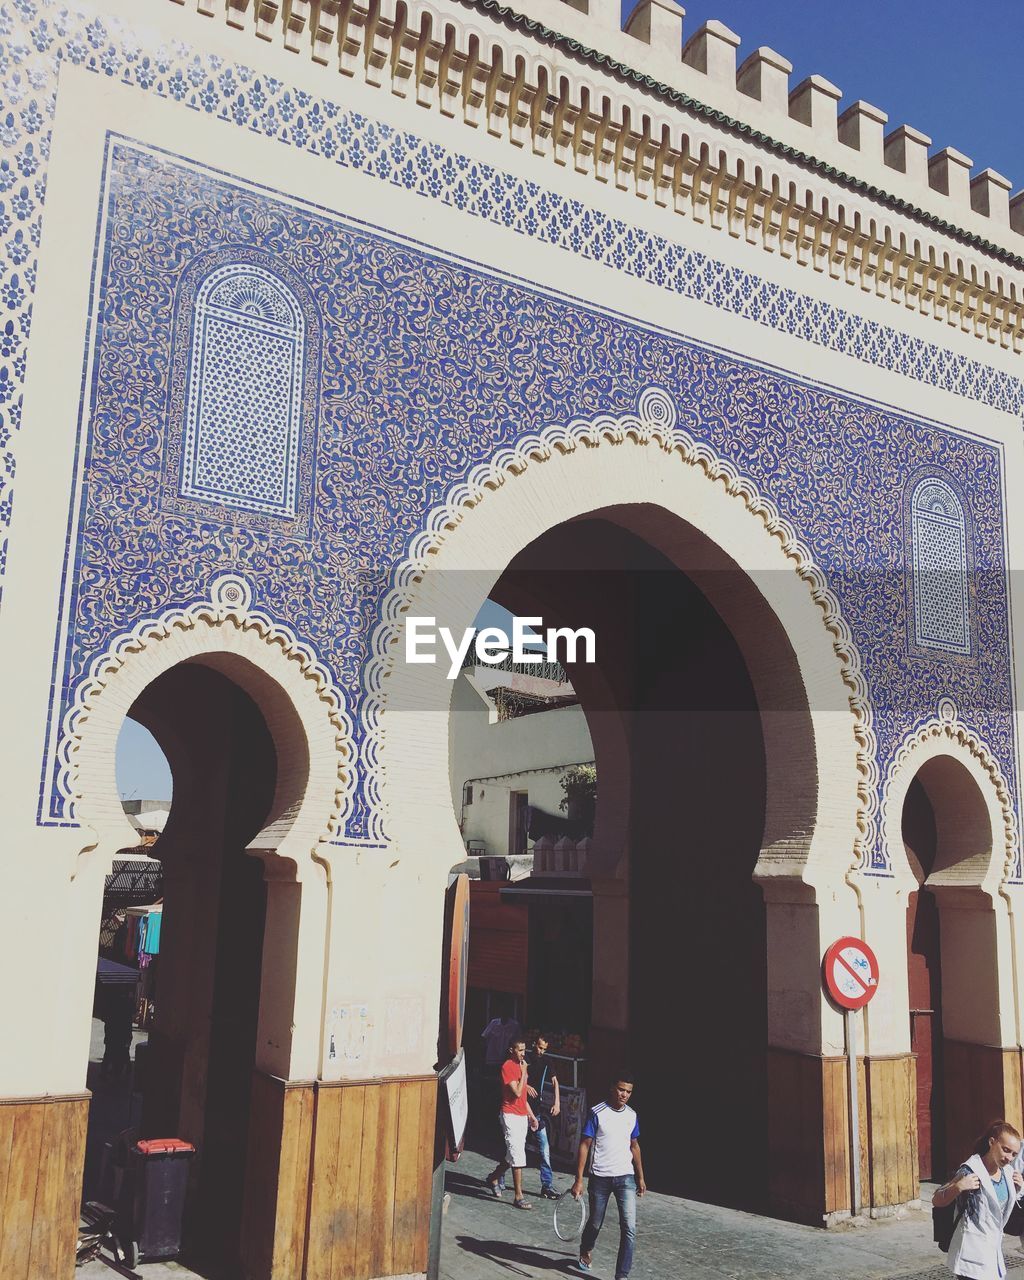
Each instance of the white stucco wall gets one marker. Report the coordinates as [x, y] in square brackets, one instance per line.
[528, 753]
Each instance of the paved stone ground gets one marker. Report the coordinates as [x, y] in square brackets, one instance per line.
[148, 1271]
[487, 1239]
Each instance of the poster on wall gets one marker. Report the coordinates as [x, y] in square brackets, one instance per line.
[457, 1096]
[568, 1125]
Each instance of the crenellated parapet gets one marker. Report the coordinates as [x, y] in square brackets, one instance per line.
[684, 124]
[757, 92]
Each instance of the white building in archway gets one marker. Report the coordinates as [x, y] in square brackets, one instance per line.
[513, 738]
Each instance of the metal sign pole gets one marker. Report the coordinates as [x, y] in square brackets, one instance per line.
[851, 1054]
[850, 973]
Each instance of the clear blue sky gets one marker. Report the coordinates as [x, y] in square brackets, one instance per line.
[951, 70]
[142, 770]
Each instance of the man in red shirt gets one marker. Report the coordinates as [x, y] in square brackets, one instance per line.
[515, 1120]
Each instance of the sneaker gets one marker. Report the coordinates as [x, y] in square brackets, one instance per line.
[548, 1193]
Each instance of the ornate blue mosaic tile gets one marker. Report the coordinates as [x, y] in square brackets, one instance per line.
[399, 451]
[941, 567]
[429, 367]
[243, 393]
[241, 441]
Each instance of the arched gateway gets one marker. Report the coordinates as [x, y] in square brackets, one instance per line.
[953, 835]
[259, 746]
[645, 477]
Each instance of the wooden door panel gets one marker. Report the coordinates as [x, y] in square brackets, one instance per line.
[922, 1043]
[924, 981]
[925, 991]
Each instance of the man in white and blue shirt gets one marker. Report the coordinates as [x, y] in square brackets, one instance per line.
[612, 1130]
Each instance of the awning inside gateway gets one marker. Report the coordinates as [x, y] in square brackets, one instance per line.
[546, 887]
[133, 882]
[111, 974]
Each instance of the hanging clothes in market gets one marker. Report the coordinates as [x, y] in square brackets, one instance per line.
[151, 944]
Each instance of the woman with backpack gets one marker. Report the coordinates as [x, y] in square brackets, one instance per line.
[985, 1189]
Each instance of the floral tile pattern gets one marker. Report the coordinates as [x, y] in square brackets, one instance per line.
[492, 360]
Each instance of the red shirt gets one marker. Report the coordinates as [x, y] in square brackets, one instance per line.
[512, 1072]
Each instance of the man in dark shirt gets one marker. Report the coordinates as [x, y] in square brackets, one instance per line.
[539, 1075]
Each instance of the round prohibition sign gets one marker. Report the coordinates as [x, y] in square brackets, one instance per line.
[851, 973]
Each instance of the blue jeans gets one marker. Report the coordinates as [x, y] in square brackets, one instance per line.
[544, 1148]
[600, 1190]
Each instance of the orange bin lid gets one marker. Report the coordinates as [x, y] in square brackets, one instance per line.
[162, 1146]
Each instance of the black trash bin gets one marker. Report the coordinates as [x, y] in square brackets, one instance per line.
[153, 1199]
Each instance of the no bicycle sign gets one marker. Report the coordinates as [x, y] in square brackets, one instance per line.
[851, 973]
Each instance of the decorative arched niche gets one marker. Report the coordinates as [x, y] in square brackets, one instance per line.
[973, 852]
[243, 394]
[940, 556]
[243, 409]
[311, 736]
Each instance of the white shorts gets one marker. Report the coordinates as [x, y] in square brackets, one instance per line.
[514, 1128]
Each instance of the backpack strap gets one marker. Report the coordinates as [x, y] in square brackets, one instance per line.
[960, 1203]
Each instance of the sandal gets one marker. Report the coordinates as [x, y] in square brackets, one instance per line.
[492, 1186]
[522, 1204]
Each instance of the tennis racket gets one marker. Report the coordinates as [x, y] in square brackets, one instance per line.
[569, 1216]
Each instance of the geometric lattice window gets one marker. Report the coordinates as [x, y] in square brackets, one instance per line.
[241, 441]
[939, 541]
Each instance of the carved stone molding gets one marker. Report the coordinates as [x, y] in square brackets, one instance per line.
[577, 107]
[948, 727]
[653, 425]
[228, 608]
